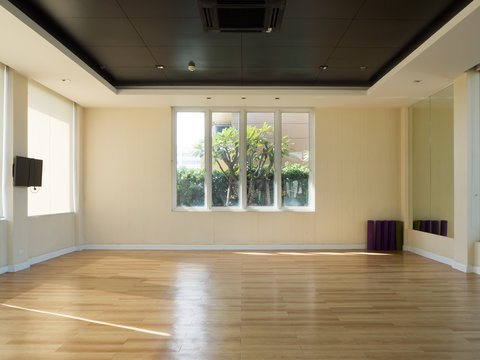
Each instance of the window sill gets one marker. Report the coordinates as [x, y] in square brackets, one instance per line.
[250, 209]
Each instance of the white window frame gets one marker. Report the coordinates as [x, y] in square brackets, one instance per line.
[242, 207]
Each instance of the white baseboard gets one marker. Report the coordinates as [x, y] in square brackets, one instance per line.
[45, 257]
[444, 260]
[476, 269]
[37, 259]
[19, 267]
[255, 247]
[3, 269]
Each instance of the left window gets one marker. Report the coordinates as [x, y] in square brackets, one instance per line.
[51, 139]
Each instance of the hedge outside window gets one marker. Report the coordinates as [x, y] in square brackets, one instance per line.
[242, 160]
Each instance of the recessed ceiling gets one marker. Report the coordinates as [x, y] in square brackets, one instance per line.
[358, 41]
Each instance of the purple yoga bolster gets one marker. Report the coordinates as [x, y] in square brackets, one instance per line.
[384, 235]
[435, 227]
[370, 235]
[443, 227]
[391, 235]
[378, 235]
[422, 225]
[428, 226]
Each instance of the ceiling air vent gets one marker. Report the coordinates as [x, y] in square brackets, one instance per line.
[241, 15]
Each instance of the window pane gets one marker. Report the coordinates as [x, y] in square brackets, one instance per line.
[260, 163]
[190, 159]
[50, 138]
[295, 158]
[225, 154]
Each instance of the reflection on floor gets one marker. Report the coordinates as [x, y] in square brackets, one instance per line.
[239, 305]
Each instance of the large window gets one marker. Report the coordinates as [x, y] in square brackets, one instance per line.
[50, 138]
[243, 159]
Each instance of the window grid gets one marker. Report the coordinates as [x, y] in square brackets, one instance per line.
[242, 204]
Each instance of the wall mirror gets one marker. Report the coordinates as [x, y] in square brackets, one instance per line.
[431, 162]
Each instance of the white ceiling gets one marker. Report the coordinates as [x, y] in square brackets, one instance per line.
[448, 53]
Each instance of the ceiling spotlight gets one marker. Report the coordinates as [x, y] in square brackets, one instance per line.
[243, 97]
[191, 66]
[363, 68]
[417, 81]
[277, 98]
[65, 80]
[269, 30]
[159, 67]
[323, 67]
[209, 97]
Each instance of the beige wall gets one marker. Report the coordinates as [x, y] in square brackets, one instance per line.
[26, 237]
[127, 183]
[50, 233]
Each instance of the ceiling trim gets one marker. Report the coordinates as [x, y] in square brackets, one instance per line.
[12, 9]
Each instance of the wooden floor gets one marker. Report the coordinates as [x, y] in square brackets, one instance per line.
[239, 305]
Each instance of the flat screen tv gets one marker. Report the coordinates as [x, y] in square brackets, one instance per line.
[27, 171]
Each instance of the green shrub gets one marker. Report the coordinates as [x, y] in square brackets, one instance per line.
[190, 187]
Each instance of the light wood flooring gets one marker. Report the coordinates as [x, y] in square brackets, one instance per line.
[239, 305]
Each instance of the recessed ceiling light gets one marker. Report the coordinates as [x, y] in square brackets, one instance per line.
[191, 66]
[209, 97]
[323, 67]
[159, 67]
[65, 81]
[417, 81]
[243, 97]
[363, 68]
[277, 98]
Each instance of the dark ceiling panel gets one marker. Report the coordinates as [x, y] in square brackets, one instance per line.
[276, 75]
[406, 9]
[160, 9]
[323, 9]
[102, 32]
[302, 32]
[285, 56]
[372, 58]
[213, 56]
[207, 76]
[342, 76]
[133, 56]
[123, 40]
[141, 74]
[181, 32]
[82, 8]
[380, 33]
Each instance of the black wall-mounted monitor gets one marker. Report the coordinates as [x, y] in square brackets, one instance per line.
[27, 171]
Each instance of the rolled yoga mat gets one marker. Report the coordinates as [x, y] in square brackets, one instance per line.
[416, 225]
[384, 235]
[435, 227]
[443, 227]
[378, 235]
[398, 235]
[428, 226]
[423, 226]
[391, 235]
[370, 235]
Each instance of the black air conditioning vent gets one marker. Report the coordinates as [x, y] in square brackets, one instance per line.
[241, 15]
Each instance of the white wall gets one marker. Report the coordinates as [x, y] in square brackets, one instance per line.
[28, 239]
[127, 183]
[460, 250]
